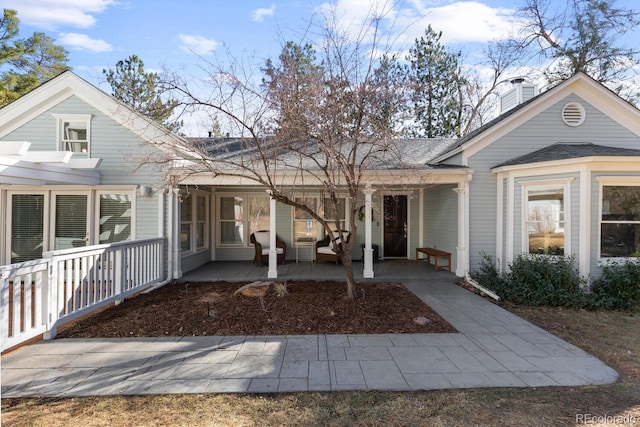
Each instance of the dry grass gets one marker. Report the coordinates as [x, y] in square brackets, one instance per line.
[611, 336]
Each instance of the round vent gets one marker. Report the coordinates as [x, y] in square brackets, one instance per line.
[573, 114]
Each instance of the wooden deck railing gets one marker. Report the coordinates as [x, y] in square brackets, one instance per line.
[37, 296]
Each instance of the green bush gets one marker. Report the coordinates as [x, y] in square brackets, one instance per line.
[618, 286]
[535, 280]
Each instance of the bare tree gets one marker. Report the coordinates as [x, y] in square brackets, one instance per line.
[319, 117]
[584, 36]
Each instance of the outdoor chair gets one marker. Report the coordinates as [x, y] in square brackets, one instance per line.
[324, 247]
[260, 240]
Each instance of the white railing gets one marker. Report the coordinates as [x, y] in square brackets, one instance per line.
[37, 296]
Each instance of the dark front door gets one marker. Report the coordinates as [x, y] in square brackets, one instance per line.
[395, 226]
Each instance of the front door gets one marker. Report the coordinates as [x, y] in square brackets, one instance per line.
[395, 226]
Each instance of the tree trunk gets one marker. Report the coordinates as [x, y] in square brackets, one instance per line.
[348, 270]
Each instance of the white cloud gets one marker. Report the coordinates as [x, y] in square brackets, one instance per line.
[465, 21]
[51, 14]
[460, 20]
[77, 41]
[259, 14]
[197, 44]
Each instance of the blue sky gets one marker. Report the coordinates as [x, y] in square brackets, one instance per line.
[179, 35]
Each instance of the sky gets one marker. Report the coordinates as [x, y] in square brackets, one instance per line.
[181, 35]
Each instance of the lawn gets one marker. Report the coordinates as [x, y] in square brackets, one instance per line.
[611, 336]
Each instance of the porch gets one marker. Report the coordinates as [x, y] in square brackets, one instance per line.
[388, 270]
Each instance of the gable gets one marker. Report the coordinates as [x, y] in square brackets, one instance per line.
[598, 97]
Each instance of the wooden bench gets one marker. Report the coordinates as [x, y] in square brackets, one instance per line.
[436, 254]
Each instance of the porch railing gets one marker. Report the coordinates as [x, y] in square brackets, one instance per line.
[37, 296]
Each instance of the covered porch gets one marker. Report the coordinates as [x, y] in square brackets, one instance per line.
[388, 270]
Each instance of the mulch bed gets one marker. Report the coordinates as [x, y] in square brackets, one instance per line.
[309, 307]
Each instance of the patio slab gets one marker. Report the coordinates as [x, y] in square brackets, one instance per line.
[493, 348]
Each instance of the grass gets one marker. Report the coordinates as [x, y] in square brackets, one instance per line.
[611, 336]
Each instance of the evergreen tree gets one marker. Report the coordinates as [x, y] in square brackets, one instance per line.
[26, 63]
[142, 91]
[436, 86]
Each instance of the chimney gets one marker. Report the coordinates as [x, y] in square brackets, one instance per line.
[210, 134]
[520, 92]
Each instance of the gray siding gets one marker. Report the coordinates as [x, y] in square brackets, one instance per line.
[121, 152]
[545, 129]
[441, 220]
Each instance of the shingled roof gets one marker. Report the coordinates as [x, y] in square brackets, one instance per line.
[563, 151]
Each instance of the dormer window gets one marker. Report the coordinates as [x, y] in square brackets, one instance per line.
[74, 132]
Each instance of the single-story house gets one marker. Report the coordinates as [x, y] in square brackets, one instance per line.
[557, 173]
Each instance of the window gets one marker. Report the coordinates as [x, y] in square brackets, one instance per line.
[545, 220]
[620, 221]
[305, 228]
[329, 215]
[186, 227]
[241, 215]
[194, 228]
[27, 227]
[71, 221]
[115, 218]
[74, 133]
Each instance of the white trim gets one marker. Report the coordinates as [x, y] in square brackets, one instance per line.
[98, 191]
[565, 184]
[611, 181]
[245, 225]
[602, 162]
[584, 221]
[510, 219]
[61, 119]
[193, 233]
[420, 218]
[54, 219]
[45, 222]
[499, 220]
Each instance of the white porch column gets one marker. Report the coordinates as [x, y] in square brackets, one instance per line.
[175, 232]
[368, 273]
[273, 250]
[462, 265]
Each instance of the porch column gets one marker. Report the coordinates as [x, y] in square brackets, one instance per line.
[175, 230]
[367, 273]
[273, 250]
[462, 265]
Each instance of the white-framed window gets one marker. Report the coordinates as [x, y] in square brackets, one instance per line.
[305, 227]
[74, 133]
[546, 217]
[71, 225]
[194, 221]
[239, 215]
[329, 215]
[27, 228]
[619, 219]
[115, 223]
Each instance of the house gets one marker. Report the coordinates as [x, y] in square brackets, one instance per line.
[556, 173]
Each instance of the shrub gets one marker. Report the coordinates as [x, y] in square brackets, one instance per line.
[535, 280]
[618, 286]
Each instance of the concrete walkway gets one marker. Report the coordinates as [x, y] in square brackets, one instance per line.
[493, 348]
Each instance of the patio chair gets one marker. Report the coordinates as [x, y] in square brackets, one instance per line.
[260, 240]
[324, 247]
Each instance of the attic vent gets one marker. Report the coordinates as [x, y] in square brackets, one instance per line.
[573, 114]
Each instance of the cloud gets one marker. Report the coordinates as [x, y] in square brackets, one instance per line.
[460, 20]
[77, 41]
[197, 44]
[51, 14]
[259, 14]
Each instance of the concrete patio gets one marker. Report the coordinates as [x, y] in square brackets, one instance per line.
[493, 348]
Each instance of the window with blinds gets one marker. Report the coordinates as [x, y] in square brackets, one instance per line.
[71, 221]
[27, 227]
[115, 218]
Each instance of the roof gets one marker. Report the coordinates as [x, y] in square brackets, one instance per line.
[563, 151]
[589, 89]
[408, 152]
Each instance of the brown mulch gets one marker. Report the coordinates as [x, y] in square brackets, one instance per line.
[308, 308]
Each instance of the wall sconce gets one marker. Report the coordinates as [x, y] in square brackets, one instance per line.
[145, 190]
